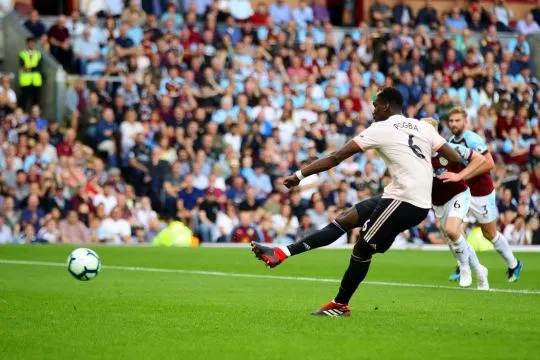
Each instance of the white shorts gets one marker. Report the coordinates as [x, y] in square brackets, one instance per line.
[456, 207]
[484, 208]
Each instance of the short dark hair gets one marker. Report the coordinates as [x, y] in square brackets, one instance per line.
[392, 96]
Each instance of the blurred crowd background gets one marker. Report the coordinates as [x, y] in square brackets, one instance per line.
[192, 112]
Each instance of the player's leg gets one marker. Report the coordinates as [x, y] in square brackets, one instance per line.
[346, 221]
[485, 211]
[389, 218]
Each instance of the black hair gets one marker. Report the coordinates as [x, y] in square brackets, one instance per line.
[392, 96]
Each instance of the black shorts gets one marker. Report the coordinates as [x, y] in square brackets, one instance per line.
[383, 219]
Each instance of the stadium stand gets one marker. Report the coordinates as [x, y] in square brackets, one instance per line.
[194, 112]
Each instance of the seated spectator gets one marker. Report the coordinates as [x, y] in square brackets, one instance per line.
[87, 54]
[35, 25]
[427, 15]
[320, 11]
[527, 25]
[114, 229]
[379, 11]
[285, 224]
[6, 235]
[129, 92]
[189, 194]
[303, 14]
[468, 91]
[318, 215]
[260, 182]
[125, 47]
[503, 15]
[48, 233]
[107, 129]
[402, 14]
[33, 214]
[261, 15]
[8, 91]
[61, 45]
[280, 12]
[75, 25]
[516, 150]
[134, 11]
[207, 217]
[455, 22]
[172, 15]
[107, 198]
[520, 49]
[246, 231]
[114, 8]
[226, 222]
[27, 236]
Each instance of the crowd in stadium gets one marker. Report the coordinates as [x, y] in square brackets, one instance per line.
[220, 99]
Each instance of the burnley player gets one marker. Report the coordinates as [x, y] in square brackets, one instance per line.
[406, 146]
[451, 197]
[483, 206]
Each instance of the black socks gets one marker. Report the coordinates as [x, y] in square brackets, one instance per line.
[355, 274]
[323, 237]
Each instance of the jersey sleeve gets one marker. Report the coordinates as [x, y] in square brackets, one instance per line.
[370, 138]
[463, 151]
[476, 143]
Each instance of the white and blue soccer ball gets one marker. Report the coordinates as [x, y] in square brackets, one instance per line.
[84, 264]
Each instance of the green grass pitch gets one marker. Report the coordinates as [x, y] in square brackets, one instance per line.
[199, 311]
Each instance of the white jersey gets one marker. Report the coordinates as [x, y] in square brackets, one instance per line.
[406, 146]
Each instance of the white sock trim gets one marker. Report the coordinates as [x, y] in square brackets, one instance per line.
[285, 250]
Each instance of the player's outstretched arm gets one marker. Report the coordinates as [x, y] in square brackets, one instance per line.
[323, 164]
[474, 168]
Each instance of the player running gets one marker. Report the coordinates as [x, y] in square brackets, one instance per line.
[451, 198]
[483, 206]
[406, 146]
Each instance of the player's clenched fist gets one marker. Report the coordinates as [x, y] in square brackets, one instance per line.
[291, 181]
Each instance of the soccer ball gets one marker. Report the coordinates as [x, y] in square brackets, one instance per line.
[84, 264]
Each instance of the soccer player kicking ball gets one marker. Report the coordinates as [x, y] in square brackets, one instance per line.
[483, 205]
[406, 146]
[451, 197]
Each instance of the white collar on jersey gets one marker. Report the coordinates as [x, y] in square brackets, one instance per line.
[397, 117]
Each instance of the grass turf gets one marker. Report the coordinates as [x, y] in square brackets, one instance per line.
[46, 314]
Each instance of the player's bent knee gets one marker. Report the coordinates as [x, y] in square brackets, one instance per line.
[348, 219]
[362, 251]
[452, 232]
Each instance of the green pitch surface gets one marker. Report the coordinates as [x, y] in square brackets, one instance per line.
[156, 303]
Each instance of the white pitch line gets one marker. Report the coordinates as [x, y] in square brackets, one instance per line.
[275, 277]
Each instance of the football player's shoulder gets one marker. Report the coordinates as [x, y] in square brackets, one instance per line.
[473, 139]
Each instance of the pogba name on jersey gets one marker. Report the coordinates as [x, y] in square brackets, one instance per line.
[406, 125]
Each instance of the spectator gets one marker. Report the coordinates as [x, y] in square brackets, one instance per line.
[61, 45]
[503, 15]
[402, 14]
[303, 14]
[226, 222]
[129, 92]
[35, 25]
[427, 15]
[72, 230]
[318, 215]
[49, 233]
[260, 182]
[6, 235]
[75, 25]
[8, 92]
[261, 15]
[32, 214]
[379, 11]
[280, 12]
[285, 224]
[27, 236]
[114, 8]
[515, 148]
[320, 11]
[455, 21]
[114, 229]
[134, 11]
[246, 231]
[528, 25]
[87, 54]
